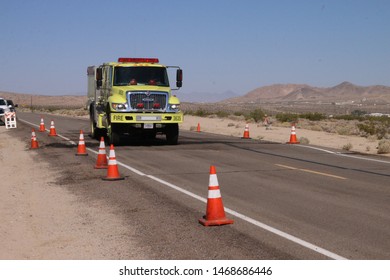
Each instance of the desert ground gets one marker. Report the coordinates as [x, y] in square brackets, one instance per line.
[314, 134]
[28, 230]
[58, 229]
[281, 133]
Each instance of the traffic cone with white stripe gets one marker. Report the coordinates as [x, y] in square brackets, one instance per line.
[246, 132]
[52, 131]
[215, 212]
[42, 126]
[81, 149]
[293, 136]
[34, 142]
[112, 170]
[101, 161]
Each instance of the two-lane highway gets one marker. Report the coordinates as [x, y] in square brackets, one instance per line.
[301, 201]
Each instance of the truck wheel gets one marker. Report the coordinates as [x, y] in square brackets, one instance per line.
[172, 134]
[113, 136]
[95, 132]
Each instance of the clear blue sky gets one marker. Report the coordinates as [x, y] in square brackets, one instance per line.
[46, 46]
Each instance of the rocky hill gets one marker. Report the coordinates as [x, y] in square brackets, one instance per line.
[26, 100]
[340, 99]
[344, 92]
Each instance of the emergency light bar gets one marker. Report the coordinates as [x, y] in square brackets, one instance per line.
[138, 60]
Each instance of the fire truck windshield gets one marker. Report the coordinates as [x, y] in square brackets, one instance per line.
[140, 76]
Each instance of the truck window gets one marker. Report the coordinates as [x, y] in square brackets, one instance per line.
[142, 75]
[107, 76]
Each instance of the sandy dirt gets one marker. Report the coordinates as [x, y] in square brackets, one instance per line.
[280, 134]
[40, 220]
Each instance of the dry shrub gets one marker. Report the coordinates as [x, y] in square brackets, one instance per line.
[237, 118]
[347, 147]
[384, 146]
[304, 140]
[343, 130]
[315, 127]
[328, 129]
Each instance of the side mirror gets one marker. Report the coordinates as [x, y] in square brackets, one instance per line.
[179, 78]
[99, 77]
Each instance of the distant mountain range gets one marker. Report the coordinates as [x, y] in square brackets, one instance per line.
[277, 93]
[344, 92]
[23, 99]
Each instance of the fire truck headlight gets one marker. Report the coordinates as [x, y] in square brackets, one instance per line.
[174, 107]
[119, 106]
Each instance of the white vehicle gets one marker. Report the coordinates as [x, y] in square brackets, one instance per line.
[11, 105]
[3, 107]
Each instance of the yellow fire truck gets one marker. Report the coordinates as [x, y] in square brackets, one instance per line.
[132, 97]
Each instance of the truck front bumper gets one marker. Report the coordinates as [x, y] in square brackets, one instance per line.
[146, 118]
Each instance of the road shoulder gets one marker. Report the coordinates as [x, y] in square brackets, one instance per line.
[41, 220]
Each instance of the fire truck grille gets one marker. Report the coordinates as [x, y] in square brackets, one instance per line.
[154, 101]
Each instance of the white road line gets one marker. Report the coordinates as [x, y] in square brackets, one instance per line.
[286, 235]
[59, 135]
[33, 124]
[177, 188]
[257, 223]
[343, 155]
[311, 171]
[228, 210]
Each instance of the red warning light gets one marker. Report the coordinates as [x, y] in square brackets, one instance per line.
[138, 60]
[140, 105]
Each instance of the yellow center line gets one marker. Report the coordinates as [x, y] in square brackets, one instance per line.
[286, 166]
[311, 171]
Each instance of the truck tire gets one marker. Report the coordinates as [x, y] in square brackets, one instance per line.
[113, 136]
[95, 132]
[172, 134]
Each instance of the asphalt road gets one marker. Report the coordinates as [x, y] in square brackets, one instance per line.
[287, 201]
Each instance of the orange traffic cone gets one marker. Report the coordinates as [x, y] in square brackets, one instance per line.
[101, 161]
[198, 128]
[52, 131]
[246, 132]
[112, 170]
[293, 136]
[215, 212]
[81, 149]
[34, 142]
[42, 126]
